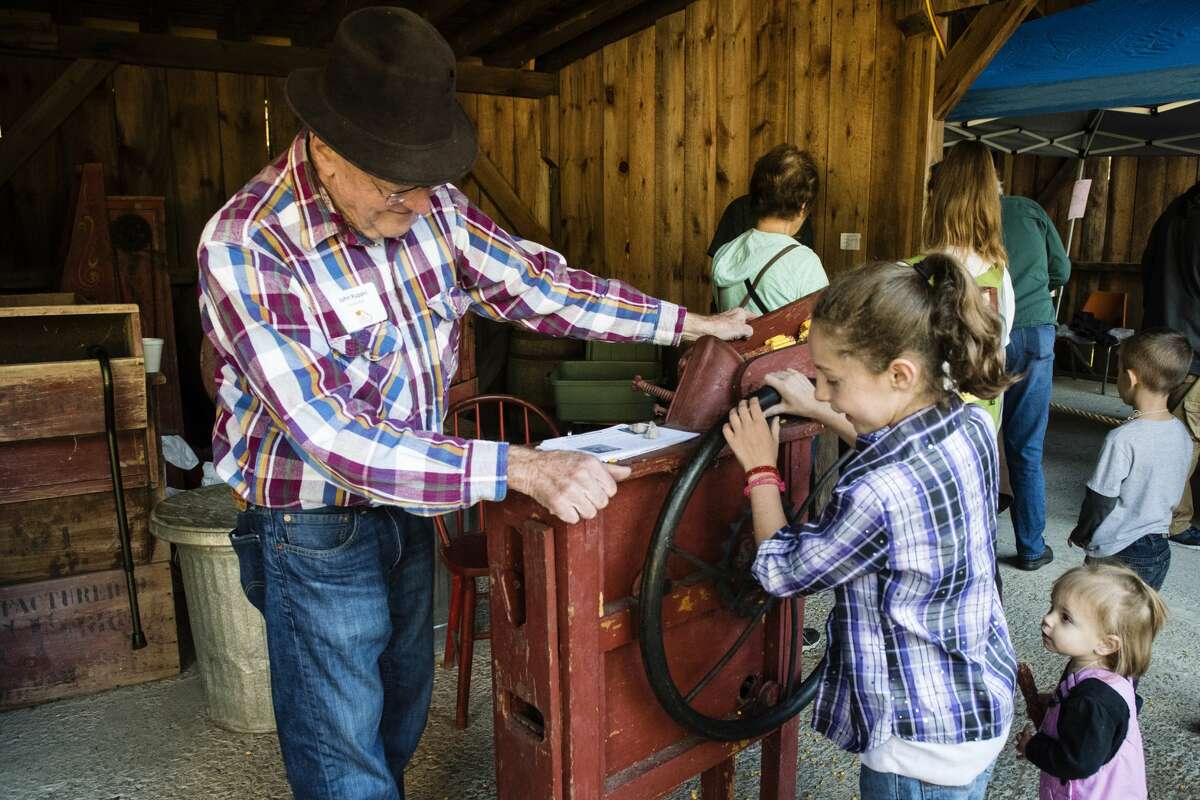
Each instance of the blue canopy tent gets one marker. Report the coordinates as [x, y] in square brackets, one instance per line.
[1114, 77]
[1111, 77]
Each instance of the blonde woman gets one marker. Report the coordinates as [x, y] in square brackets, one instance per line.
[962, 220]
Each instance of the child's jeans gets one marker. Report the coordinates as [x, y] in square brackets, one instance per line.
[874, 785]
[1149, 557]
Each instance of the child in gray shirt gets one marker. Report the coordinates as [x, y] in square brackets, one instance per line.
[1144, 464]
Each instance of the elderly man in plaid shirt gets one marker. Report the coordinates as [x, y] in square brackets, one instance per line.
[332, 286]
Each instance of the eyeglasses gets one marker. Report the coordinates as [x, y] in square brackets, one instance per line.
[397, 198]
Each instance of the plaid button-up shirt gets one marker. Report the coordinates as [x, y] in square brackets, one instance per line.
[918, 642]
[315, 409]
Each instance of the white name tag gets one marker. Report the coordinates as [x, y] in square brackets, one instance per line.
[358, 307]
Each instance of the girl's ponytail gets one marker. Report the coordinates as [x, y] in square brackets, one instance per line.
[966, 330]
[932, 309]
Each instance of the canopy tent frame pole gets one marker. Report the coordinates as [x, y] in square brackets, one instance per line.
[1083, 154]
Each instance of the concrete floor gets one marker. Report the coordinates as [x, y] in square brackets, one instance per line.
[153, 742]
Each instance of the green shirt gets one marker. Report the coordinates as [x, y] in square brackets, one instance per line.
[1037, 261]
[796, 274]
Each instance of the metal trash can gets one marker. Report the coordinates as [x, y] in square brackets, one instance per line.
[230, 635]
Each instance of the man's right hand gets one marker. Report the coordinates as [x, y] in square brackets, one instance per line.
[572, 486]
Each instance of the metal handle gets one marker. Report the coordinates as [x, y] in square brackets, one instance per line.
[114, 464]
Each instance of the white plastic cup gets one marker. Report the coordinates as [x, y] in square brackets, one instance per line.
[152, 352]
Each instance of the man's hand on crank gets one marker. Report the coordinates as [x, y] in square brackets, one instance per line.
[731, 324]
[572, 486]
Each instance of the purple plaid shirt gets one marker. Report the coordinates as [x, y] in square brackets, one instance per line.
[336, 352]
[918, 642]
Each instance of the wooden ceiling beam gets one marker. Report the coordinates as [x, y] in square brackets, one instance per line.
[491, 27]
[913, 21]
[248, 57]
[245, 17]
[637, 19]
[154, 17]
[62, 13]
[50, 111]
[587, 17]
[970, 55]
[319, 30]
[443, 10]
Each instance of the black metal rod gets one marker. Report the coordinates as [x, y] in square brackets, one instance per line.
[114, 463]
[699, 563]
[767, 605]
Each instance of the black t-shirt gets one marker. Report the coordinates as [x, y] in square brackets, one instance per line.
[738, 218]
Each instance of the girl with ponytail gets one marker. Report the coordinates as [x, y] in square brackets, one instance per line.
[919, 670]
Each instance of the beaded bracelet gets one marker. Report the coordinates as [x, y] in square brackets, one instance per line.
[763, 480]
[750, 473]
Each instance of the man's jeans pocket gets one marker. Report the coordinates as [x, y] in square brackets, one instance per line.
[252, 573]
[319, 533]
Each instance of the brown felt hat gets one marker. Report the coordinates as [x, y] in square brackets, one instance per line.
[385, 99]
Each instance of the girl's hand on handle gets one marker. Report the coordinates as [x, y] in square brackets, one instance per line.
[797, 395]
[753, 440]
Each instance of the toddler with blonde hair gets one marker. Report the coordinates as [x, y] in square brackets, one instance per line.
[1103, 618]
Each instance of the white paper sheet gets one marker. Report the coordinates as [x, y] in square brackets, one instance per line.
[618, 442]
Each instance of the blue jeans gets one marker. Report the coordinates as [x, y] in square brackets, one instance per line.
[874, 785]
[1026, 411]
[347, 595]
[1149, 557]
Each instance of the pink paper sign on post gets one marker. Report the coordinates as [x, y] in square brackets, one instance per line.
[1079, 198]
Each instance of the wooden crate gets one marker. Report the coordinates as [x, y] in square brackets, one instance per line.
[71, 636]
[57, 515]
[71, 535]
[32, 334]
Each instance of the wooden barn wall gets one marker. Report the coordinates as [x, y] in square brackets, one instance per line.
[194, 138]
[659, 131]
[1128, 194]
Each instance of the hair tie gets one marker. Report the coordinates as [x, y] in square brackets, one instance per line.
[923, 271]
[947, 379]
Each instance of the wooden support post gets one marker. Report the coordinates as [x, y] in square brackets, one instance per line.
[500, 191]
[50, 111]
[983, 38]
